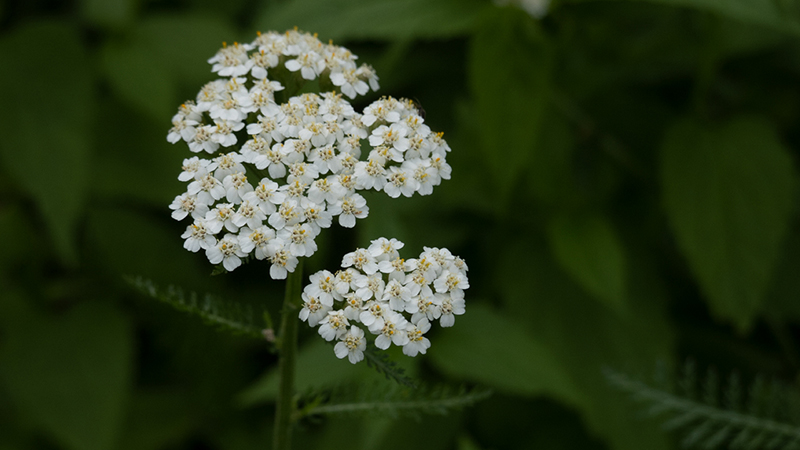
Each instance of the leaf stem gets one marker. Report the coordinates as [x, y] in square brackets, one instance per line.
[287, 351]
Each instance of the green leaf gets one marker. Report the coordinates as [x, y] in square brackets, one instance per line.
[588, 249]
[782, 15]
[584, 336]
[509, 72]
[140, 79]
[71, 374]
[512, 361]
[162, 53]
[375, 19]
[183, 43]
[728, 196]
[47, 123]
[108, 13]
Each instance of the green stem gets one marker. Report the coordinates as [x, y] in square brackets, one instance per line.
[287, 350]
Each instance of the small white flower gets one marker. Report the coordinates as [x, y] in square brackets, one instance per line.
[349, 82]
[345, 280]
[266, 196]
[323, 286]
[370, 174]
[300, 238]
[450, 308]
[370, 286]
[315, 215]
[396, 268]
[288, 214]
[223, 132]
[186, 204]
[425, 306]
[354, 306]
[394, 330]
[197, 236]
[385, 249]
[397, 295]
[227, 164]
[249, 215]
[207, 188]
[313, 310]
[417, 343]
[236, 187]
[400, 181]
[391, 136]
[221, 216]
[352, 345]
[231, 61]
[362, 260]
[282, 260]
[192, 168]
[368, 73]
[372, 315]
[310, 64]
[258, 239]
[349, 209]
[450, 281]
[202, 141]
[226, 251]
[333, 326]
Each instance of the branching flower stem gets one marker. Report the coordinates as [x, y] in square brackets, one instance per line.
[287, 350]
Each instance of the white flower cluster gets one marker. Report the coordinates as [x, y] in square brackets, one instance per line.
[394, 299]
[299, 165]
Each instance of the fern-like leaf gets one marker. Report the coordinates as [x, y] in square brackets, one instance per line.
[231, 316]
[384, 365]
[720, 416]
[392, 400]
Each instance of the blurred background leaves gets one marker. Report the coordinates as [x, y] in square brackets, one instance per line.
[624, 191]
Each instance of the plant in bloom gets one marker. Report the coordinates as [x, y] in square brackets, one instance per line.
[269, 175]
[393, 299]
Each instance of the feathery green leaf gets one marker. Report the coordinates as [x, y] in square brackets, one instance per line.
[384, 365]
[753, 418]
[392, 399]
[226, 314]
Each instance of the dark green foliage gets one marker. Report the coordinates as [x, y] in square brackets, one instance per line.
[712, 414]
[624, 188]
[225, 314]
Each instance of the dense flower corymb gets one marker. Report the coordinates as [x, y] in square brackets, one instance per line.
[396, 300]
[272, 168]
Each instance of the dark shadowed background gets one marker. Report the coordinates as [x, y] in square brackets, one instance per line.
[624, 191]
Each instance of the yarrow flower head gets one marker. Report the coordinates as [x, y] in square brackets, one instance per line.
[394, 300]
[273, 168]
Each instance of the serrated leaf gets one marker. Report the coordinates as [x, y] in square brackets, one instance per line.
[509, 72]
[511, 361]
[589, 249]
[342, 20]
[47, 123]
[234, 317]
[71, 374]
[728, 196]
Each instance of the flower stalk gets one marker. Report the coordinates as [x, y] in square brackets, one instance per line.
[287, 356]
